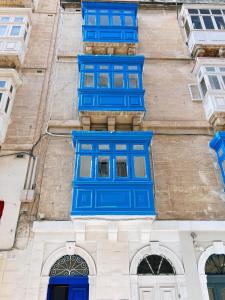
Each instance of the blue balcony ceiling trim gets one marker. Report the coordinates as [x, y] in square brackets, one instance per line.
[218, 145]
[123, 89]
[125, 188]
[110, 22]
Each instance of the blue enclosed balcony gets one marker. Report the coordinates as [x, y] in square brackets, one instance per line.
[109, 28]
[218, 145]
[111, 86]
[112, 174]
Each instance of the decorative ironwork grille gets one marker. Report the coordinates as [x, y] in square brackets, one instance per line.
[155, 265]
[70, 265]
[215, 265]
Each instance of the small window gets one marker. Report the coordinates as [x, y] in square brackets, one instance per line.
[214, 82]
[91, 20]
[103, 147]
[2, 83]
[86, 146]
[208, 22]
[104, 20]
[139, 166]
[85, 166]
[128, 21]
[5, 19]
[89, 80]
[220, 23]
[11, 89]
[104, 80]
[133, 81]
[194, 92]
[203, 87]
[121, 166]
[7, 105]
[18, 19]
[196, 22]
[3, 30]
[103, 166]
[138, 147]
[15, 31]
[116, 20]
[121, 147]
[118, 80]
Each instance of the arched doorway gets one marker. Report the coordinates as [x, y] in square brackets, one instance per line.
[215, 271]
[157, 273]
[69, 279]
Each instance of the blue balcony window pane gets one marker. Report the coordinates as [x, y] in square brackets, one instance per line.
[121, 147]
[86, 147]
[133, 81]
[118, 67]
[121, 166]
[103, 80]
[104, 20]
[139, 166]
[91, 20]
[89, 80]
[103, 147]
[116, 20]
[103, 166]
[89, 67]
[138, 147]
[103, 67]
[129, 21]
[85, 166]
[118, 80]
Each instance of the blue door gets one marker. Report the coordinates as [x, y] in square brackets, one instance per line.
[68, 288]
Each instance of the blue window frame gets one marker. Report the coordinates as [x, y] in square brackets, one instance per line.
[111, 83]
[110, 22]
[112, 174]
[218, 144]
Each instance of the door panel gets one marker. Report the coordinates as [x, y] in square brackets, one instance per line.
[158, 293]
[147, 294]
[167, 293]
[78, 293]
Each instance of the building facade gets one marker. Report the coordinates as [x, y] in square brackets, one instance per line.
[112, 136]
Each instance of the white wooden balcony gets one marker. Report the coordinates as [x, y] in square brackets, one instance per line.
[15, 28]
[210, 74]
[204, 29]
[9, 82]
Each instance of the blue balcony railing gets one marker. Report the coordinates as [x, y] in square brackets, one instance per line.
[110, 83]
[110, 22]
[112, 174]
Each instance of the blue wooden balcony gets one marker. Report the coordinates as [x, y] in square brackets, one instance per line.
[112, 174]
[110, 83]
[110, 22]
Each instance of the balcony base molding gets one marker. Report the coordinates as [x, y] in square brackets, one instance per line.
[209, 51]
[109, 48]
[218, 121]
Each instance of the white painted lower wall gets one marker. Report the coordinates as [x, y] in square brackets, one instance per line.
[113, 258]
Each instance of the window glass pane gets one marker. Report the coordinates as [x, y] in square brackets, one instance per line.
[104, 20]
[18, 19]
[3, 30]
[1, 94]
[121, 166]
[15, 31]
[91, 20]
[208, 22]
[204, 11]
[222, 70]
[132, 67]
[139, 166]
[103, 166]
[89, 80]
[210, 69]
[104, 67]
[89, 67]
[121, 147]
[214, 82]
[193, 11]
[25, 35]
[222, 294]
[211, 294]
[11, 89]
[103, 147]
[2, 83]
[138, 147]
[128, 21]
[59, 292]
[118, 67]
[216, 11]
[223, 77]
[196, 22]
[85, 166]
[118, 80]
[220, 22]
[116, 20]
[86, 146]
[5, 19]
[133, 81]
[203, 87]
[7, 105]
[104, 80]
[104, 11]
[187, 29]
